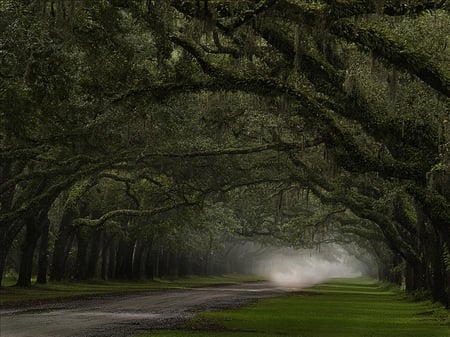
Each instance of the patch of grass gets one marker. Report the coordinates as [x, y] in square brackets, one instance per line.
[11, 295]
[341, 308]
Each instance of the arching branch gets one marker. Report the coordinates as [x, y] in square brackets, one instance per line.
[131, 213]
[356, 157]
[396, 53]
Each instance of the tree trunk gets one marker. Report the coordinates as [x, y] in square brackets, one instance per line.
[62, 247]
[157, 263]
[94, 254]
[43, 253]
[124, 267]
[173, 264]
[82, 246]
[138, 260]
[5, 245]
[28, 248]
[8, 231]
[438, 273]
[112, 259]
[150, 264]
[106, 259]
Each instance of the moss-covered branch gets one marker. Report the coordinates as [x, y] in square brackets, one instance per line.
[65, 167]
[361, 206]
[222, 152]
[130, 213]
[328, 80]
[356, 158]
[165, 90]
[396, 53]
[344, 9]
[332, 11]
[435, 206]
[52, 191]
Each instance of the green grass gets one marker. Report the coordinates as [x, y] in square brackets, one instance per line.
[10, 295]
[341, 308]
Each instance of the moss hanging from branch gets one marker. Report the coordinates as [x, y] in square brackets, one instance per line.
[396, 53]
[355, 158]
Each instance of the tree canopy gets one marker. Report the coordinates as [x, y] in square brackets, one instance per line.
[144, 138]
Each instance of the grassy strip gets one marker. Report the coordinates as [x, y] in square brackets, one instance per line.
[11, 295]
[342, 308]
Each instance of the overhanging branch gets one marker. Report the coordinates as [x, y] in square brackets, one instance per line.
[130, 213]
[396, 53]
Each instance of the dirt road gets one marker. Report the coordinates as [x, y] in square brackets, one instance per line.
[124, 315]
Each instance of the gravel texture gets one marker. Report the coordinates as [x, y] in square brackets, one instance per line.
[125, 315]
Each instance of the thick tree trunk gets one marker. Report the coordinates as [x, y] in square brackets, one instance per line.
[4, 249]
[106, 259]
[139, 260]
[61, 251]
[163, 263]
[183, 265]
[43, 253]
[173, 266]
[150, 264]
[5, 245]
[82, 247]
[124, 264]
[112, 259]
[63, 244]
[94, 254]
[438, 273]
[28, 248]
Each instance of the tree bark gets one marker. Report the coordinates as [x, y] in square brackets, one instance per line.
[106, 258]
[124, 264]
[94, 254]
[138, 261]
[43, 253]
[438, 273]
[63, 244]
[28, 248]
[112, 259]
[82, 247]
[150, 264]
[5, 245]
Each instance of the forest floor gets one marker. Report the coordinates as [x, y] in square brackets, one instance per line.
[341, 308]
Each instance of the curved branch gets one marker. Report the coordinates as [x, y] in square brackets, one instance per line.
[66, 167]
[248, 15]
[131, 213]
[53, 191]
[435, 206]
[328, 80]
[357, 158]
[362, 207]
[221, 152]
[165, 90]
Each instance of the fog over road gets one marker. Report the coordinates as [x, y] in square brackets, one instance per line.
[124, 315]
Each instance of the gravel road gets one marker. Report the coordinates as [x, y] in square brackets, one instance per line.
[125, 315]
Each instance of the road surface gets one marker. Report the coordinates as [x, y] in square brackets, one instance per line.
[125, 315]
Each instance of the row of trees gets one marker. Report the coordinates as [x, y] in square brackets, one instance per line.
[143, 138]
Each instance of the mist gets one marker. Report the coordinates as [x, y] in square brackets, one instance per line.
[303, 268]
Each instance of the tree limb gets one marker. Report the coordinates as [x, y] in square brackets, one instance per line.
[131, 213]
[396, 53]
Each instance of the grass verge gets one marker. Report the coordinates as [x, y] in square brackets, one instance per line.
[11, 295]
[341, 308]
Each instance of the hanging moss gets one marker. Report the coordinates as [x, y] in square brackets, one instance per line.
[396, 53]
